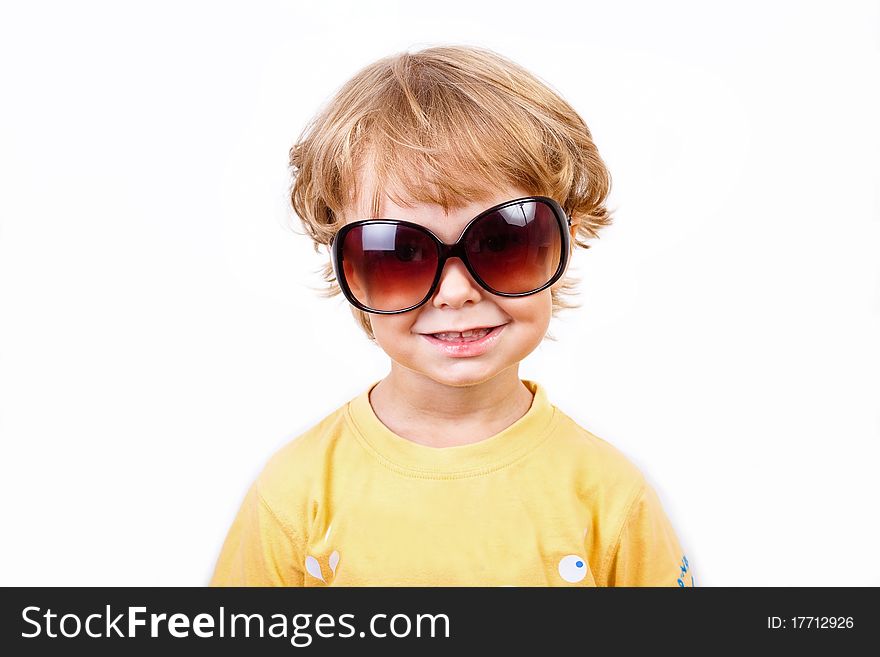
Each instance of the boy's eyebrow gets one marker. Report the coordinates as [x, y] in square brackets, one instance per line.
[441, 228]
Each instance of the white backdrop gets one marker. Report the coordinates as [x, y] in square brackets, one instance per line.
[160, 333]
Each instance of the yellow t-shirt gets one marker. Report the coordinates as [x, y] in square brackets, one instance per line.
[542, 503]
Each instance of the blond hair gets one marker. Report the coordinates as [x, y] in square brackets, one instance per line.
[445, 124]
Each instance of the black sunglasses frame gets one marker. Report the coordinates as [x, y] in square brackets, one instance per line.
[455, 250]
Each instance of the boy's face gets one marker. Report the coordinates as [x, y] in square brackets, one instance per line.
[459, 303]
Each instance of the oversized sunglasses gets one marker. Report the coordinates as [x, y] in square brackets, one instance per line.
[513, 249]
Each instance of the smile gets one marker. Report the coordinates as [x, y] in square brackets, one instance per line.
[460, 347]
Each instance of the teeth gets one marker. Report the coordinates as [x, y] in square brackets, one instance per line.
[474, 334]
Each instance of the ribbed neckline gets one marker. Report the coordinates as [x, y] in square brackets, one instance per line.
[484, 456]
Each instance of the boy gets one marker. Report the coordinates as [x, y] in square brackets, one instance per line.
[450, 186]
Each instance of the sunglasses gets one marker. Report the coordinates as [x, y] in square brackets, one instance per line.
[513, 249]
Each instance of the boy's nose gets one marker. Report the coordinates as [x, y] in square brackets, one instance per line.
[456, 285]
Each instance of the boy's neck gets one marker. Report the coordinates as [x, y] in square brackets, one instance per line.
[419, 409]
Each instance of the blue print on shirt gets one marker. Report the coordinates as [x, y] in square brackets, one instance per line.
[685, 568]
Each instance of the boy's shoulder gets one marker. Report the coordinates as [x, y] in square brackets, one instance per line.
[596, 461]
[299, 461]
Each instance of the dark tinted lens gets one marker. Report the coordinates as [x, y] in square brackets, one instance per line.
[516, 249]
[387, 266]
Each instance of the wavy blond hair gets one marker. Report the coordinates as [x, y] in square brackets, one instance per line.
[445, 124]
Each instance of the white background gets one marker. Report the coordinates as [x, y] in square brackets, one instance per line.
[160, 333]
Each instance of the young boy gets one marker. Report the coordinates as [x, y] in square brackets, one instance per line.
[450, 186]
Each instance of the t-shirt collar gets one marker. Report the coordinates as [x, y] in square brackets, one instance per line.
[472, 459]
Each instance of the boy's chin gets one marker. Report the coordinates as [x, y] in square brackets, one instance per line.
[460, 377]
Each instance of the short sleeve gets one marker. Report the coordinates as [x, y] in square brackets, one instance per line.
[259, 549]
[648, 552]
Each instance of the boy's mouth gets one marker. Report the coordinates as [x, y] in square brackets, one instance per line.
[461, 347]
[465, 335]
